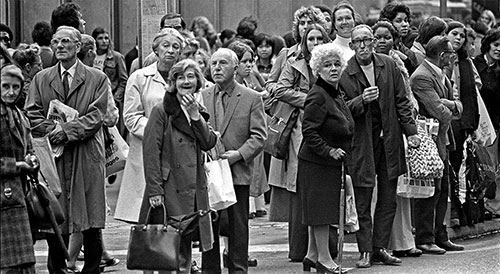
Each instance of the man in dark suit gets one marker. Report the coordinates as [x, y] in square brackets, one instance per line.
[381, 110]
[436, 98]
[237, 113]
[81, 167]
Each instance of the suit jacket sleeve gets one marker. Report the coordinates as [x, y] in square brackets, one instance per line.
[151, 151]
[87, 125]
[258, 134]
[133, 111]
[286, 90]
[428, 98]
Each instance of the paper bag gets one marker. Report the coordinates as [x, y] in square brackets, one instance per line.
[220, 184]
[48, 168]
[116, 152]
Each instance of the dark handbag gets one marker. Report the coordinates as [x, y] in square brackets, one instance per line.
[279, 129]
[154, 247]
[41, 203]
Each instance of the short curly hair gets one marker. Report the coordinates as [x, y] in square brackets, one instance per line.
[391, 10]
[324, 52]
[312, 12]
[179, 68]
[431, 27]
[25, 56]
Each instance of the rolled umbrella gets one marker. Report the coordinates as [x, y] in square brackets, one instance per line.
[341, 217]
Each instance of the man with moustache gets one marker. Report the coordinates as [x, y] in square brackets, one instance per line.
[374, 89]
[81, 167]
[435, 96]
[237, 113]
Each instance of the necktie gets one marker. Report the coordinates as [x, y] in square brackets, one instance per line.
[65, 83]
[219, 111]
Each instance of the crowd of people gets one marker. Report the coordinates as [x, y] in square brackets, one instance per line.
[356, 90]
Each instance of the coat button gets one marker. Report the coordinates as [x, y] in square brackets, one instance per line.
[180, 140]
[178, 165]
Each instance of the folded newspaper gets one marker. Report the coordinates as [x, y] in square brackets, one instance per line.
[60, 113]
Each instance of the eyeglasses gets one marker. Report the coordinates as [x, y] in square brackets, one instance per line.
[65, 41]
[366, 41]
[451, 52]
[176, 27]
[5, 39]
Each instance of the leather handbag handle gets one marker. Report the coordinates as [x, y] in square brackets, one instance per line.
[164, 216]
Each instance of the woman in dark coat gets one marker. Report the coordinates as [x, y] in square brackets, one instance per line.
[16, 160]
[174, 138]
[488, 66]
[327, 131]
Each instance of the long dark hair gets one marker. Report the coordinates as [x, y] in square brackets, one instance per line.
[303, 42]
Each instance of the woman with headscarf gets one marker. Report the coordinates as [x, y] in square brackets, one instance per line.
[145, 89]
[16, 161]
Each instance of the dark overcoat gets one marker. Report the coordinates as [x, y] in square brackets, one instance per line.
[174, 166]
[395, 109]
[81, 167]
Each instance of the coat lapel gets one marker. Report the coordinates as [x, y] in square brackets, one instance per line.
[56, 82]
[78, 79]
[441, 88]
[233, 102]
[354, 71]
[179, 120]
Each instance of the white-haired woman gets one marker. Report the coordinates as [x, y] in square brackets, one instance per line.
[327, 131]
[145, 89]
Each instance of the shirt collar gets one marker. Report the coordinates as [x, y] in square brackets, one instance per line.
[71, 70]
[228, 90]
[435, 68]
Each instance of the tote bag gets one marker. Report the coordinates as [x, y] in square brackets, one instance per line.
[154, 246]
[221, 193]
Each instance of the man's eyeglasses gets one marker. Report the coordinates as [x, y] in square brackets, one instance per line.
[451, 52]
[176, 27]
[65, 41]
[366, 41]
[5, 39]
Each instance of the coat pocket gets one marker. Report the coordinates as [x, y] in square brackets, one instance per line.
[11, 194]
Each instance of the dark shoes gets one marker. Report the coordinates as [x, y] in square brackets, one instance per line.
[413, 252]
[431, 249]
[195, 269]
[308, 264]
[365, 260]
[252, 262]
[260, 213]
[381, 255]
[110, 262]
[449, 246]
